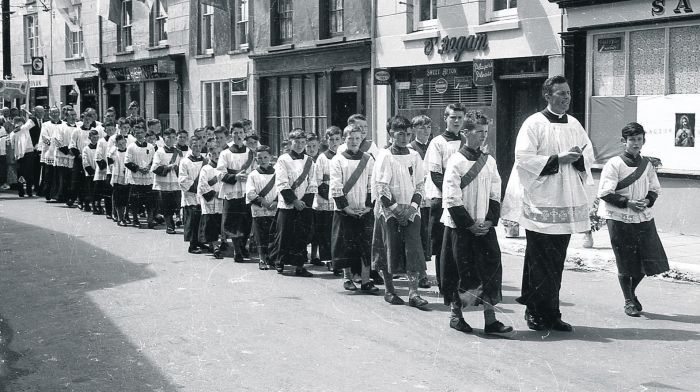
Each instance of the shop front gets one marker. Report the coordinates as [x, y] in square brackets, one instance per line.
[152, 83]
[642, 63]
[311, 89]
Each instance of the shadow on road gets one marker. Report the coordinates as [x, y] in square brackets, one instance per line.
[62, 339]
[609, 335]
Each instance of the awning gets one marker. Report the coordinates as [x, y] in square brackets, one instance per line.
[13, 89]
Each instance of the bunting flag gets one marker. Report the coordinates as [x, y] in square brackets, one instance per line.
[69, 14]
[220, 4]
[109, 9]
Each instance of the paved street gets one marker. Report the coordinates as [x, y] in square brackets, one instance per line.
[89, 306]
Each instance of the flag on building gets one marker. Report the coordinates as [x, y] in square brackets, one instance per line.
[220, 4]
[70, 14]
[109, 9]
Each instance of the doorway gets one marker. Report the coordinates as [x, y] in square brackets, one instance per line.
[517, 100]
[344, 97]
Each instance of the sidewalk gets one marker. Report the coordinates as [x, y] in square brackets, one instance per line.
[683, 253]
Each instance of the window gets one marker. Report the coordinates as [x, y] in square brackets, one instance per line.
[124, 28]
[159, 22]
[656, 61]
[224, 102]
[240, 21]
[425, 14]
[283, 13]
[206, 29]
[335, 17]
[31, 37]
[74, 39]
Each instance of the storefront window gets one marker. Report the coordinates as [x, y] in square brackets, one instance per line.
[224, 102]
[684, 64]
[647, 56]
[609, 65]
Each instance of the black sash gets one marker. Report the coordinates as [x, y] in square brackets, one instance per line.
[268, 187]
[176, 154]
[246, 165]
[352, 180]
[304, 174]
[632, 178]
[474, 171]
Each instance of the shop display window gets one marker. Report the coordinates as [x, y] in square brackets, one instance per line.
[609, 65]
[684, 60]
[647, 62]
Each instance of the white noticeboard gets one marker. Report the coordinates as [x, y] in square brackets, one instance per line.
[671, 128]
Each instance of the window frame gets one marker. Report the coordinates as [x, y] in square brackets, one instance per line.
[283, 18]
[509, 12]
[158, 23]
[31, 37]
[205, 21]
[75, 38]
[224, 90]
[332, 8]
[427, 24]
[241, 20]
[125, 38]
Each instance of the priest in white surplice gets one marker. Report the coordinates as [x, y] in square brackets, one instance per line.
[546, 195]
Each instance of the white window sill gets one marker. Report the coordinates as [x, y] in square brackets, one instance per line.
[420, 35]
[80, 58]
[499, 25]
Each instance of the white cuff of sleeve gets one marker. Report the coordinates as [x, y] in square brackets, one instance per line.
[393, 206]
[414, 205]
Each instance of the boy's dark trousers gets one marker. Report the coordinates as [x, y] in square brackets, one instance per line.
[77, 180]
[26, 169]
[46, 180]
[103, 191]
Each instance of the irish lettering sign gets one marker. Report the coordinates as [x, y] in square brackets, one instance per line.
[613, 44]
[483, 72]
[455, 45]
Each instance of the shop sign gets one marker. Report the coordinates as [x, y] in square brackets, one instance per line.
[456, 45]
[166, 66]
[419, 86]
[658, 7]
[613, 44]
[483, 72]
[441, 86]
[37, 65]
[463, 82]
[382, 77]
[403, 85]
[136, 73]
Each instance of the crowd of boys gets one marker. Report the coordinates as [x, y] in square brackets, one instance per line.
[369, 214]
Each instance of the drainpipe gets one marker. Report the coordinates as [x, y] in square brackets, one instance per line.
[373, 64]
[6, 46]
[100, 82]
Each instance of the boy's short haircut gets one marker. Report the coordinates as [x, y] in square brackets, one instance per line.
[264, 148]
[350, 129]
[455, 107]
[246, 122]
[420, 121]
[138, 127]
[310, 137]
[398, 123]
[195, 138]
[633, 129]
[94, 133]
[211, 140]
[152, 121]
[183, 131]
[474, 118]
[332, 131]
[220, 129]
[548, 85]
[254, 137]
[355, 117]
[237, 124]
[119, 138]
[108, 123]
[208, 128]
[297, 134]
[169, 131]
[123, 121]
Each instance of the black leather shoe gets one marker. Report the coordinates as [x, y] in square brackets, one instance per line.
[393, 299]
[245, 253]
[637, 304]
[303, 272]
[376, 277]
[223, 246]
[460, 325]
[424, 283]
[631, 309]
[317, 262]
[369, 288]
[562, 326]
[262, 265]
[497, 328]
[279, 269]
[417, 302]
[194, 251]
[238, 258]
[217, 254]
[535, 323]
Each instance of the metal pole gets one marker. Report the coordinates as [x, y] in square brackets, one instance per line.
[6, 55]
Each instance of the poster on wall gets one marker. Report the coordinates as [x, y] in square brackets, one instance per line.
[670, 125]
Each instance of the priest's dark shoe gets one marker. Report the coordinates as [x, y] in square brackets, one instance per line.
[497, 328]
[303, 272]
[559, 325]
[535, 323]
[393, 299]
[378, 280]
[460, 325]
[349, 285]
[424, 283]
[369, 288]
[417, 302]
[317, 262]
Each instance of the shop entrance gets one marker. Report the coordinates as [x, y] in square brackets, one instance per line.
[344, 99]
[162, 103]
[517, 100]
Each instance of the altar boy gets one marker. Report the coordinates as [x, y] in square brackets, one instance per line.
[188, 179]
[629, 188]
[470, 256]
[212, 207]
[261, 194]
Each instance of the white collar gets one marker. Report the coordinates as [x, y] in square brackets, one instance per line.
[556, 114]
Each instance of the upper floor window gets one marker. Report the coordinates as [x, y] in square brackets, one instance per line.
[124, 29]
[283, 10]
[31, 37]
[425, 14]
[335, 17]
[502, 9]
[74, 36]
[240, 23]
[206, 29]
[159, 22]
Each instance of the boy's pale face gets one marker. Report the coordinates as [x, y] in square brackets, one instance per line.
[121, 144]
[633, 144]
[423, 131]
[110, 130]
[155, 129]
[334, 141]
[182, 139]
[402, 137]
[124, 129]
[140, 135]
[214, 154]
[220, 138]
[477, 136]
[298, 145]
[196, 147]
[362, 124]
[263, 158]
[94, 139]
[238, 135]
[170, 140]
[312, 148]
[454, 120]
[251, 143]
[353, 141]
